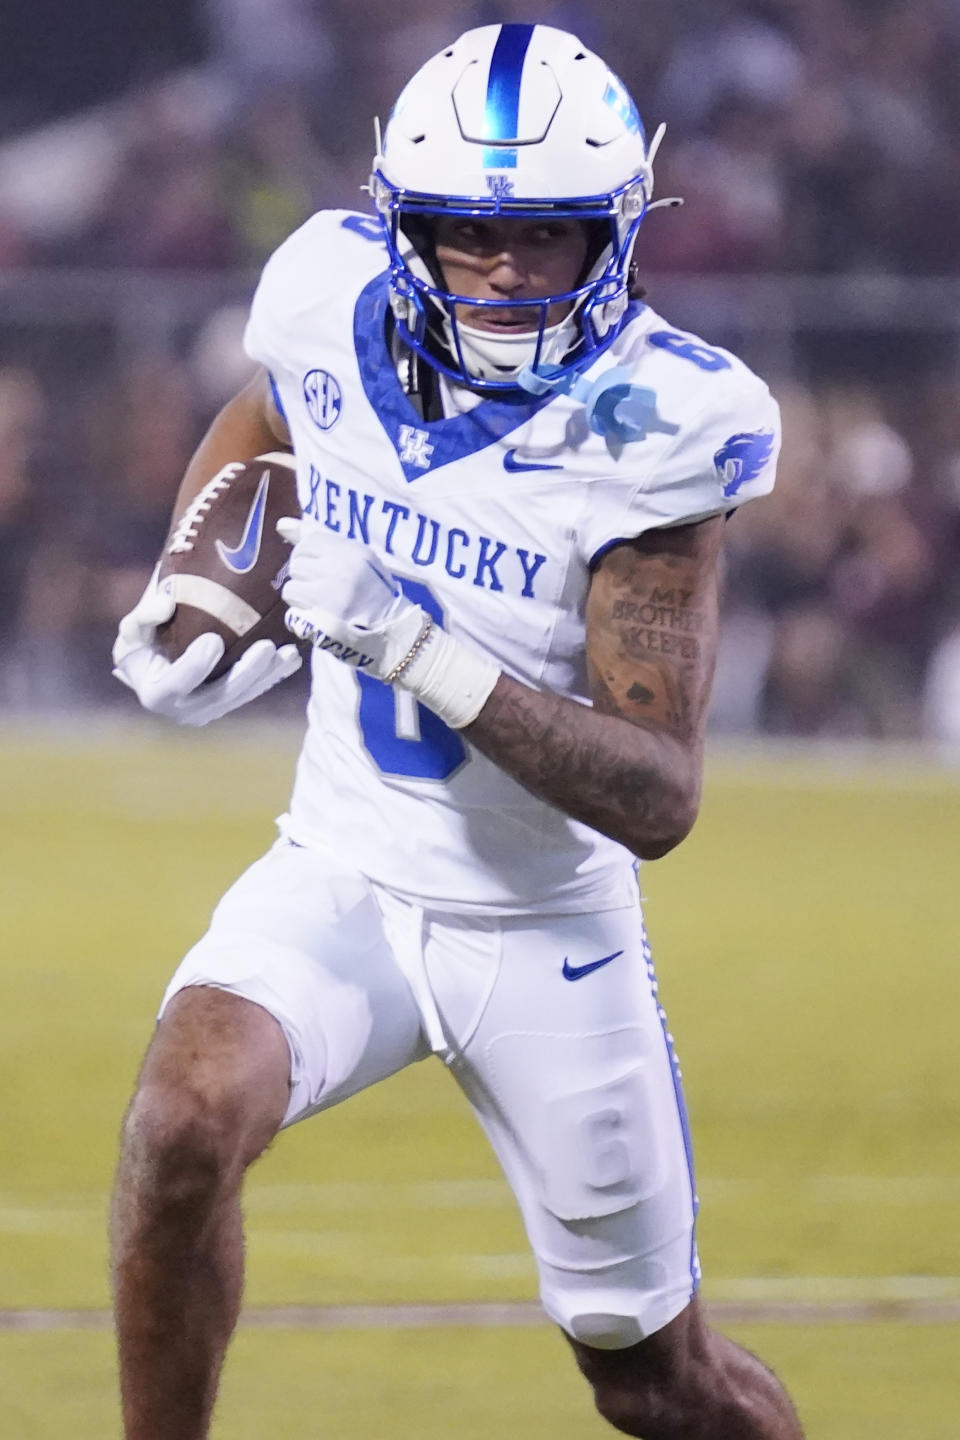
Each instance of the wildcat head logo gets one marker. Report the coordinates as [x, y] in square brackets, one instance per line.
[742, 459]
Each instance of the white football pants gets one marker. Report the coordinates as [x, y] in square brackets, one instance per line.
[549, 1024]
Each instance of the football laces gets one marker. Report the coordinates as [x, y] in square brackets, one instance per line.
[187, 527]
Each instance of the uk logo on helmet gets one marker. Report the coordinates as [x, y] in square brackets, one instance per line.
[324, 398]
[742, 459]
[501, 187]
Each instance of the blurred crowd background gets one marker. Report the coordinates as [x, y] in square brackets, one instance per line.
[151, 156]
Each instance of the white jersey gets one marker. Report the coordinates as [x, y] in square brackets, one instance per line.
[491, 520]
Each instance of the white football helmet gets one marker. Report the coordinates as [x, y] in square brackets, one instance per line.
[513, 121]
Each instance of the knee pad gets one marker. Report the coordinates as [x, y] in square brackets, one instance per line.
[605, 1331]
[621, 1304]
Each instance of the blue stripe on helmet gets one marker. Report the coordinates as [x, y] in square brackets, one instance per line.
[618, 97]
[502, 115]
[499, 158]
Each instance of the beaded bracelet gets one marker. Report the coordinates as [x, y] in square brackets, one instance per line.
[414, 650]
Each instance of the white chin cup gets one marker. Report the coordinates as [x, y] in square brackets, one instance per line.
[491, 356]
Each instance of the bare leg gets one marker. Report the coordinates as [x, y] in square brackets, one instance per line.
[211, 1096]
[688, 1383]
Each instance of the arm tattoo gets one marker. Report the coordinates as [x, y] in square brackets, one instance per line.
[597, 768]
[652, 633]
[630, 767]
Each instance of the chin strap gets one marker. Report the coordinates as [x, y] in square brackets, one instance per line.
[614, 408]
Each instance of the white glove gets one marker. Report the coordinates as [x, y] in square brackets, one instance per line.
[175, 688]
[342, 602]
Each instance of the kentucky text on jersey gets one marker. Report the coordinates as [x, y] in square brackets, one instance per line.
[396, 529]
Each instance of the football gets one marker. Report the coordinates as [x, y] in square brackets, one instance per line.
[224, 562]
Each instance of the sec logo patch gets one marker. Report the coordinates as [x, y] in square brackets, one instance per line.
[324, 398]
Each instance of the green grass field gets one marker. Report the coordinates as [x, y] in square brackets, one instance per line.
[806, 939]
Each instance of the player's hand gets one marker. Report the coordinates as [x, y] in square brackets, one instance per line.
[342, 602]
[176, 689]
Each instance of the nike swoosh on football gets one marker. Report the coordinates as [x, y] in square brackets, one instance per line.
[244, 556]
[577, 972]
[515, 466]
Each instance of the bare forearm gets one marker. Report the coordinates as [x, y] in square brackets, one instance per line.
[640, 787]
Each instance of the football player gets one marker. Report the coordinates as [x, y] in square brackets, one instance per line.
[513, 479]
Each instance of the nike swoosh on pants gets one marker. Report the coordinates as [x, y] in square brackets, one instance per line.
[577, 972]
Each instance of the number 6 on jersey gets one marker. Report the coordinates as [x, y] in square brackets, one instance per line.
[402, 736]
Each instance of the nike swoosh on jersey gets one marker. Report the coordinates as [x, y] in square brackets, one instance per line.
[516, 467]
[244, 556]
[577, 972]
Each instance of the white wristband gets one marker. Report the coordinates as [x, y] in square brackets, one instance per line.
[450, 678]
